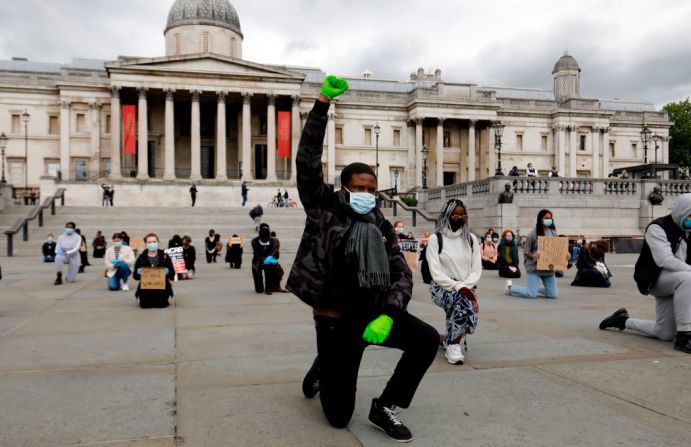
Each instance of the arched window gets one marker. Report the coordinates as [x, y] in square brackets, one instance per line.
[205, 36]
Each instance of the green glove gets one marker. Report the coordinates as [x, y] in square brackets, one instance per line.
[333, 87]
[378, 329]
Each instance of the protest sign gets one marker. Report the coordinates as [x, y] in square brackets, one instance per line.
[553, 253]
[177, 259]
[153, 278]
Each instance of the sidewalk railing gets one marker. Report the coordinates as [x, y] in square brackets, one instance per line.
[396, 202]
[36, 212]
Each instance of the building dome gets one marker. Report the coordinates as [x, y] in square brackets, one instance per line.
[566, 62]
[203, 12]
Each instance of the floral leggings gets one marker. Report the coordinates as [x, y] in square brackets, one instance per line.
[461, 312]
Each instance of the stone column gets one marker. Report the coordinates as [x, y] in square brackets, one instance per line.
[95, 111]
[295, 134]
[331, 146]
[196, 138]
[271, 139]
[573, 150]
[169, 169]
[418, 152]
[142, 136]
[65, 111]
[440, 153]
[246, 137]
[664, 150]
[595, 143]
[606, 170]
[491, 155]
[221, 140]
[561, 150]
[115, 134]
[410, 167]
[471, 150]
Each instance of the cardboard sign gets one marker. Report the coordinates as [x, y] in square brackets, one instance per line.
[411, 259]
[137, 244]
[153, 278]
[178, 260]
[408, 245]
[553, 253]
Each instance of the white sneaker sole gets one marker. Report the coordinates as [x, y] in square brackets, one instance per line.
[402, 441]
[457, 362]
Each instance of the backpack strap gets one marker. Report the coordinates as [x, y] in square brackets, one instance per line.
[440, 241]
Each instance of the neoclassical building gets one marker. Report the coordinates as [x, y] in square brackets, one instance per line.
[203, 113]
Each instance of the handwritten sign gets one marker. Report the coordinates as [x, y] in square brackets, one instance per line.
[553, 253]
[411, 259]
[178, 260]
[153, 278]
[137, 244]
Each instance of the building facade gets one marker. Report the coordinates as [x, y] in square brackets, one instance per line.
[203, 113]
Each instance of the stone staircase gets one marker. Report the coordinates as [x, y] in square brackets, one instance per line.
[195, 222]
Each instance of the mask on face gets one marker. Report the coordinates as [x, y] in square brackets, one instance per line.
[495, 240]
[400, 230]
[548, 222]
[117, 244]
[509, 237]
[686, 224]
[362, 202]
[488, 238]
[69, 231]
[153, 246]
[456, 224]
[50, 238]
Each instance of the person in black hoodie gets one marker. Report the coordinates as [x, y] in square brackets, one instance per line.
[48, 249]
[592, 270]
[189, 254]
[153, 257]
[211, 244]
[350, 270]
[263, 247]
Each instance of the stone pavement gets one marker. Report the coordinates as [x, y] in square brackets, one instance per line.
[223, 366]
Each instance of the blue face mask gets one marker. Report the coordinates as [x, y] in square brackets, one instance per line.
[362, 202]
[548, 222]
[152, 246]
[69, 231]
[117, 244]
[509, 237]
[686, 224]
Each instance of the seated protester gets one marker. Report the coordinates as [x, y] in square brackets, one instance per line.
[67, 252]
[263, 246]
[119, 260]
[592, 270]
[488, 252]
[234, 249]
[274, 270]
[125, 238]
[99, 245]
[153, 257]
[83, 251]
[189, 254]
[256, 214]
[49, 249]
[507, 256]
[175, 241]
[211, 244]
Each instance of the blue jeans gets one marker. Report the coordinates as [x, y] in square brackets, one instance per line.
[533, 287]
[49, 259]
[123, 272]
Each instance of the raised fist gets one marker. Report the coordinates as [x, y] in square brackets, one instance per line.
[333, 87]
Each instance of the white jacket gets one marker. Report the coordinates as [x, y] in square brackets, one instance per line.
[126, 254]
[457, 266]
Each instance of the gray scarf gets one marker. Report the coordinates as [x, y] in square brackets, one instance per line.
[365, 247]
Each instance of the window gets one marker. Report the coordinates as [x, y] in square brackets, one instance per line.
[205, 38]
[339, 135]
[177, 44]
[582, 143]
[16, 173]
[16, 123]
[52, 167]
[634, 146]
[447, 138]
[107, 124]
[543, 143]
[519, 141]
[612, 153]
[53, 125]
[232, 46]
[81, 122]
[396, 137]
[368, 137]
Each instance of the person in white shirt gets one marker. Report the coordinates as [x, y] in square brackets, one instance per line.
[119, 261]
[67, 252]
[455, 271]
[531, 171]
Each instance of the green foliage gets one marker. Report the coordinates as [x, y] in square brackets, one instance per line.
[680, 132]
[409, 200]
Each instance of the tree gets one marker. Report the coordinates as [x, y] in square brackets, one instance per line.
[680, 132]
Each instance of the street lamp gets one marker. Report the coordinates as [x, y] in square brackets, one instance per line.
[498, 132]
[3, 146]
[425, 154]
[645, 138]
[396, 175]
[656, 139]
[377, 131]
[25, 118]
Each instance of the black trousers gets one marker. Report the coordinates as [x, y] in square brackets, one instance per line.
[262, 280]
[340, 347]
[211, 257]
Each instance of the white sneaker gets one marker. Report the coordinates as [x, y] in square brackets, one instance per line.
[454, 354]
[507, 287]
[125, 287]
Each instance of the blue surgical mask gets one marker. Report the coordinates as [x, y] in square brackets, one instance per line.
[548, 222]
[509, 237]
[362, 202]
[152, 246]
[686, 224]
[117, 244]
[69, 231]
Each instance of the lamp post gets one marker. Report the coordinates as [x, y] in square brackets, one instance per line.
[25, 118]
[656, 139]
[425, 153]
[645, 138]
[498, 132]
[3, 146]
[396, 176]
[377, 131]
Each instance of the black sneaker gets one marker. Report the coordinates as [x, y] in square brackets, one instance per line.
[58, 280]
[682, 342]
[385, 419]
[310, 384]
[616, 320]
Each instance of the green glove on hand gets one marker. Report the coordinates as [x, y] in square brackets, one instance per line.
[333, 87]
[378, 329]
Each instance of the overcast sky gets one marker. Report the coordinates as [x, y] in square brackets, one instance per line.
[628, 49]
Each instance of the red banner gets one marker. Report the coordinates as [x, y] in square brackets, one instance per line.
[283, 134]
[129, 129]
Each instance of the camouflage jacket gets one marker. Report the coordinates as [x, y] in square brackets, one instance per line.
[328, 223]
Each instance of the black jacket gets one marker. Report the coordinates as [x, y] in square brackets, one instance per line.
[261, 252]
[327, 223]
[189, 254]
[164, 262]
[49, 249]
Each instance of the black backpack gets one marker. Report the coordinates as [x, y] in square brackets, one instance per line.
[424, 265]
[646, 270]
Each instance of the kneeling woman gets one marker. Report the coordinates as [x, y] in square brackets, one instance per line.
[455, 265]
[119, 261]
[507, 259]
[592, 270]
[153, 257]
